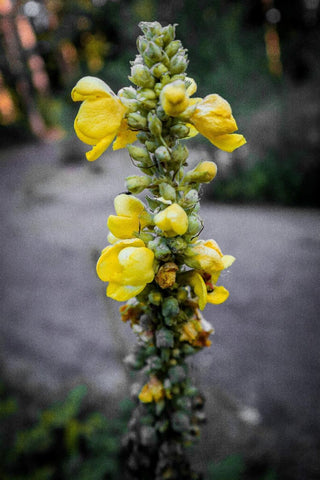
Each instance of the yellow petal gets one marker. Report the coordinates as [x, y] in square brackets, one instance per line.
[90, 86]
[128, 205]
[125, 136]
[145, 395]
[213, 116]
[137, 265]
[108, 265]
[111, 238]
[228, 143]
[192, 130]
[195, 280]
[123, 227]
[98, 150]
[174, 98]
[191, 86]
[122, 293]
[227, 260]
[219, 295]
[173, 220]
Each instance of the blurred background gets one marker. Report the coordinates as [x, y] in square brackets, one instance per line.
[261, 375]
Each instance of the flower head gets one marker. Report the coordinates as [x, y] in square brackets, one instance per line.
[173, 220]
[131, 216]
[153, 391]
[100, 118]
[128, 266]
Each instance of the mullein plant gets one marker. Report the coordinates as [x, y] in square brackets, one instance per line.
[156, 261]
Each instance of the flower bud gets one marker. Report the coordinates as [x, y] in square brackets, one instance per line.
[151, 29]
[182, 294]
[178, 63]
[141, 76]
[177, 245]
[147, 97]
[142, 43]
[180, 130]
[154, 124]
[136, 183]
[139, 154]
[173, 47]
[164, 338]
[151, 146]
[170, 307]
[168, 33]
[160, 249]
[167, 192]
[180, 153]
[190, 199]
[195, 225]
[152, 53]
[162, 154]
[128, 96]
[158, 70]
[203, 173]
[174, 98]
[155, 298]
[173, 220]
[137, 121]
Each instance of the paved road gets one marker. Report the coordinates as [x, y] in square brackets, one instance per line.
[57, 327]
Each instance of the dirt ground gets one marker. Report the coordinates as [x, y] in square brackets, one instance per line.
[57, 328]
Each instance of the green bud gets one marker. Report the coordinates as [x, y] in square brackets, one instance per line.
[190, 199]
[168, 33]
[180, 130]
[139, 154]
[127, 92]
[143, 136]
[167, 192]
[147, 97]
[151, 146]
[188, 350]
[162, 425]
[151, 29]
[162, 154]
[161, 113]
[177, 244]
[142, 43]
[137, 121]
[155, 298]
[178, 63]
[160, 249]
[176, 352]
[180, 422]
[180, 153]
[165, 79]
[165, 355]
[152, 53]
[145, 237]
[154, 363]
[194, 225]
[182, 294]
[164, 338]
[141, 76]
[136, 183]
[154, 124]
[173, 47]
[158, 70]
[170, 307]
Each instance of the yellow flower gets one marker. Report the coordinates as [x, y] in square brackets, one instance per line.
[205, 255]
[131, 217]
[100, 117]
[173, 220]
[127, 266]
[213, 118]
[210, 116]
[197, 332]
[216, 294]
[153, 391]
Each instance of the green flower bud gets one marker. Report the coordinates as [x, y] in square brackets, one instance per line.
[168, 33]
[158, 70]
[154, 124]
[153, 53]
[145, 237]
[173, 47]
[127, 92]
[178, 63]
[190, 199]
[151, 29]
[137, 121]
[162, 154]
[177, 374]
[155, 298]
[160, 249]
[176, 352]
[161, 113]
[164, 338]
[136, 183]
[170, 307]
[147, 97]
[143, 137]
[151, 146]
[194, 225]
[182, 294]
[180, 153]
[180, 130]
[139, 154]
[167, 192]
[141, 76]
[177, 245]
[142, 43]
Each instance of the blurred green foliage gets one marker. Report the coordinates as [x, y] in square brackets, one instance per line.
[69, 440]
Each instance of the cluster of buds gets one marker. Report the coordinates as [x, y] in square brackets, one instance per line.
[155, 260]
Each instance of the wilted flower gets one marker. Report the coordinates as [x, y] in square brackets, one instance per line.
[127, 266]
[101, 117]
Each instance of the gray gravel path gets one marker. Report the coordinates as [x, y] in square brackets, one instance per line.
[58, 328]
